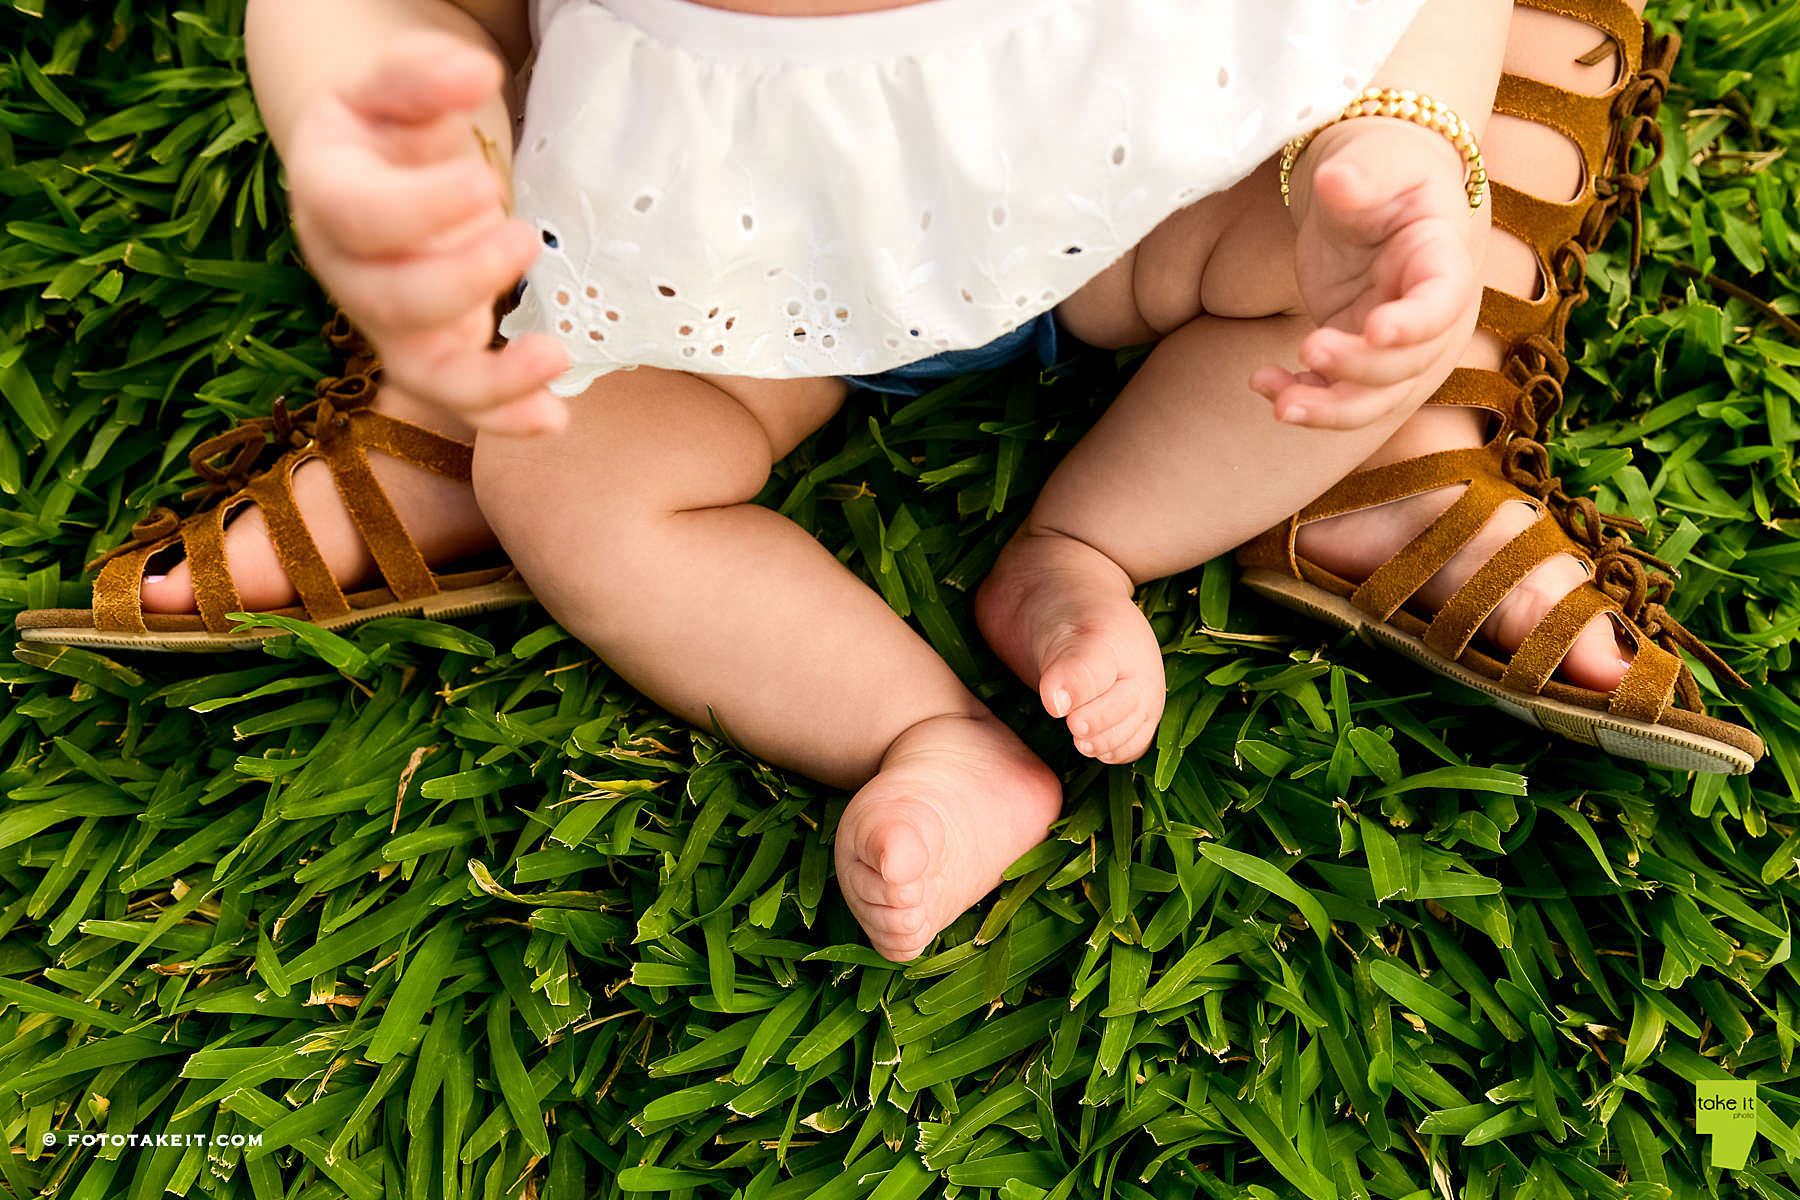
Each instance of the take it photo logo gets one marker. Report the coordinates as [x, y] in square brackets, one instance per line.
[1725, 1110]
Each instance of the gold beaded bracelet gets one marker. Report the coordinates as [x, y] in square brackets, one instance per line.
[1405, 106]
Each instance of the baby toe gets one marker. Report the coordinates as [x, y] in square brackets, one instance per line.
[866, 884]
[1597, 660]
[1076, 673]
[901, 950]
[895, 850]
[1105, 712]
[897, 934]
[1126, 742]
[169, 593]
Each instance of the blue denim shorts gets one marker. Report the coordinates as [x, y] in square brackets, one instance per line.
[917, 378]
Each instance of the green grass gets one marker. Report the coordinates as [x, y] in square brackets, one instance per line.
[448, 911]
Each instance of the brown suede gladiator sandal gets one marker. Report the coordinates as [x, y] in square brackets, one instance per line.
[338, 426]
[1655, 714]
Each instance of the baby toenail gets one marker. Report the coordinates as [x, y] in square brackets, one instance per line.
[1086, 748]
[1059, 703]
[154, 578]
[1081, 727]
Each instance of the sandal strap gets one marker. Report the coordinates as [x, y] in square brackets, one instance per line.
[1607, 130]
[1603, 128]
[416, 445]
[396, 556]
[118, 600]
[298, 553]
[1397, 480]
[340, 428]
[1644, 693]
[1457, 622]
[1614, 18]
[343, 443]
[1471, 387]
[1545, 647]
[1394, 582]
[215, 594]
[1586, 120]
[1274, 548]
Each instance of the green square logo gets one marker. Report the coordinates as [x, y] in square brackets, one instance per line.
[1725, 1110]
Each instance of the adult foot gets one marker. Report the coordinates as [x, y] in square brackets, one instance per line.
[440, 515]
[1060, 614]
[957, 800]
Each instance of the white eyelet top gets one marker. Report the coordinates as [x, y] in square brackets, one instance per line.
[785, 197]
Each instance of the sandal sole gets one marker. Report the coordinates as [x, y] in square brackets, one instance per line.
[1620, 736]
[462, 602]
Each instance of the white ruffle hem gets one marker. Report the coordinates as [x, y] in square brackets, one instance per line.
[785, 197]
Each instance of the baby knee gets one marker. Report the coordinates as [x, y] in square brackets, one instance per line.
[613, 483]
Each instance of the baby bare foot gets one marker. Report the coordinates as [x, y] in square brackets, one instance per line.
[957, 800]
[1353, 545]
[440, 515]
[1059, 613]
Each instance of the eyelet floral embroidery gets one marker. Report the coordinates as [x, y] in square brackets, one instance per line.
[717, 208]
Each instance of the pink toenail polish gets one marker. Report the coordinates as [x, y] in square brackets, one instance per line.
[154, 578]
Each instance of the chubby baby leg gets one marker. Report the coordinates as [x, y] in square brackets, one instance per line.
[1187, 463]
[635, 529]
